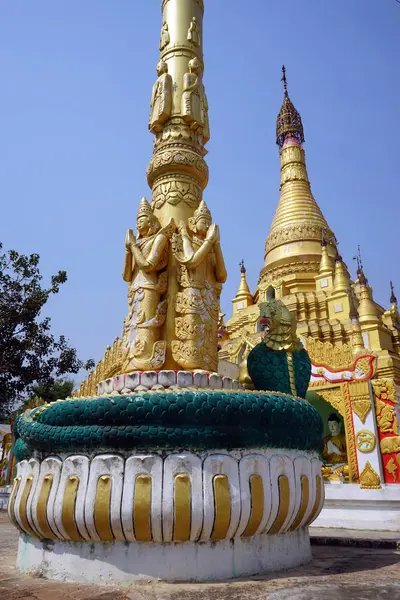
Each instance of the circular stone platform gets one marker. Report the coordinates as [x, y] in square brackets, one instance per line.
[86, 563]
[180, 485]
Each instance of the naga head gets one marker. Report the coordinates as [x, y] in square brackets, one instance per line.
[279, 326]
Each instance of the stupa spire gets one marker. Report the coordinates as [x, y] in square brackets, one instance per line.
[243, 297]
[367, 308]
[327, 265]
[295, 234]
[393, 299]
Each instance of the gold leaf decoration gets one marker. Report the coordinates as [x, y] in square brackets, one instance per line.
[369, 479]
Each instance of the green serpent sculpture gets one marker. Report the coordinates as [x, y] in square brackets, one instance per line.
[279, 362]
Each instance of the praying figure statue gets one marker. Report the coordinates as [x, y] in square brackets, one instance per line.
[193, 35]
[194, 100]
[200, 276]
[165, 37]
[146, 259]
[161, 99]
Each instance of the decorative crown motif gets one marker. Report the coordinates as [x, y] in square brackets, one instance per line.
[288, 122]
[202, 212]
[144, 209]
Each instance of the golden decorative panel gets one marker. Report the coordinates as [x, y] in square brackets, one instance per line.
[182, 509]
[350, 437]
[360, 399]
[284, 501]
[42, 507]
[23, 506]
[318, 498]
[391, 468]
[305, 495]
[361, 407]
[142, 508]
[390, 445]
[328, 355]
[102, 509]
[365, 441]
[68, 509]
[222, 499]
[384, 389]
[257, 505]
[110, 365]
[369, 479]
[14, 492]
[335, 398]
[277, 273]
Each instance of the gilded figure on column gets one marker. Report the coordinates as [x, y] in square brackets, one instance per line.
[193, 35]
[161, 99]
[146, 259]
[165, 37]
[194, 100]
[201, 275]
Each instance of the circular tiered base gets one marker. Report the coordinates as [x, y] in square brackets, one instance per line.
[171, 484]
[190, 561]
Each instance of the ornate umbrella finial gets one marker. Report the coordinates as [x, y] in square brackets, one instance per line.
[289, 122]
[242, 267]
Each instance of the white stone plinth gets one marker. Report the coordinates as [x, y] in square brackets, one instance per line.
[118, 562]
[173, 516]
[347, 506]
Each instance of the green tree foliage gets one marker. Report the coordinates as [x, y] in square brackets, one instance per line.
[30, 355]
[58, 390]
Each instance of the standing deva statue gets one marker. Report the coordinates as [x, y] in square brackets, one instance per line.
[146, 259]
[200, 276]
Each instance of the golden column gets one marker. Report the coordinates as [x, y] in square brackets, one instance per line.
[175, 268]
[177, 173]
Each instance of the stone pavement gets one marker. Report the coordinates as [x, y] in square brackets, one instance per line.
[336, 573]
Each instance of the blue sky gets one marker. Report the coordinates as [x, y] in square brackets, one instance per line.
[74, 146]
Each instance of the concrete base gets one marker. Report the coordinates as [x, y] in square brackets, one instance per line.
[347, 506]
[118, 562]
[4, 496]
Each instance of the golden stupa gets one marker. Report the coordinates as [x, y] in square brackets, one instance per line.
[353, 342]
[302, 266]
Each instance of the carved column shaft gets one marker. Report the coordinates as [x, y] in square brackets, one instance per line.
[177, 173]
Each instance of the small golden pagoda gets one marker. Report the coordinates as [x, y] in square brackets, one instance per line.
[353, 342]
